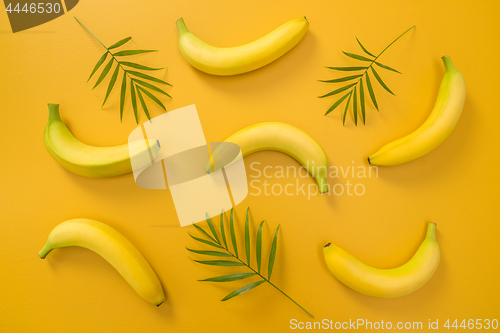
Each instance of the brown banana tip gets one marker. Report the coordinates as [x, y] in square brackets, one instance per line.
[158, 305]
[327, 245]
[158, 141]
[369, 161]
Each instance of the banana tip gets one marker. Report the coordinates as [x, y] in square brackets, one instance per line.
[158, 305]
[369, 161]
[327, 245]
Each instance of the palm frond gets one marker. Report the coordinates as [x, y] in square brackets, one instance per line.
[233, 259]
[353, 88]
[138, 88]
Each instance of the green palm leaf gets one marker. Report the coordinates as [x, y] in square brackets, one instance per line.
[119, 43]
[104, 72]
[206, 242]
[153, 97]
[138, 66]
[122, 95]
[247, 237]
[222, 232]
[379, 79]
[337, 103]
[357, 57]
[224, 252]
[364, 49]
[362, 99]
[111, 84]
[204, 232]
[134, 102]
[210, 253]
[272, 255]
[339, 90]
[230, 277]
[243, 290]
[233, 235]
[386, 67]
[370, 91]
[346, 106]
[99, 63]
[150, 86]
[220, 263]
[135, 90]
[342, 79]
[131, 52]
[355, 107]
[352, 90]
[148, 77]
[212, 229]
[258, 248]
[144, 106]
[348, 69]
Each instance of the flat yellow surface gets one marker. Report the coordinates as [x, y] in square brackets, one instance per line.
[456, 185]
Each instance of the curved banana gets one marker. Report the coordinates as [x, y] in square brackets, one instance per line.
[386, 283]
[244, 58]
[91, 161]
[287, 139]
[114, 248]
[435, 129]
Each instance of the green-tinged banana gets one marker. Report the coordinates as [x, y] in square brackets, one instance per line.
[386, 283]
[114, 248]
[441, 122]
[244, 58]
[287, 139]
[91, 161]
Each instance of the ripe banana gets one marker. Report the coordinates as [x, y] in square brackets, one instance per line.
[287, 139]
[244, 58]
[435, 129]
[386, 283]
[90, 161]
[114, 248]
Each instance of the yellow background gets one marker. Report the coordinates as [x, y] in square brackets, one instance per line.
[456, 185]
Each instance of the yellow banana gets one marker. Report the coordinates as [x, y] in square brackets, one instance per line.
[90, 161]
[114, 248]
[287, 139]
[435, 129]
[244, 58]
[386, 283]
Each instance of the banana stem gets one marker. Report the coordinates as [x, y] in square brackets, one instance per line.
[431, 231]
[323, 186]
[448, 64]
[44, 251]
[54, 112]
[181, 26]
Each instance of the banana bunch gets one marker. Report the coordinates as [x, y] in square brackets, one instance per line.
[114, 248]
[244, 58]
[90, 161]
[386, 283]
[441, 122]
[284, 138]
